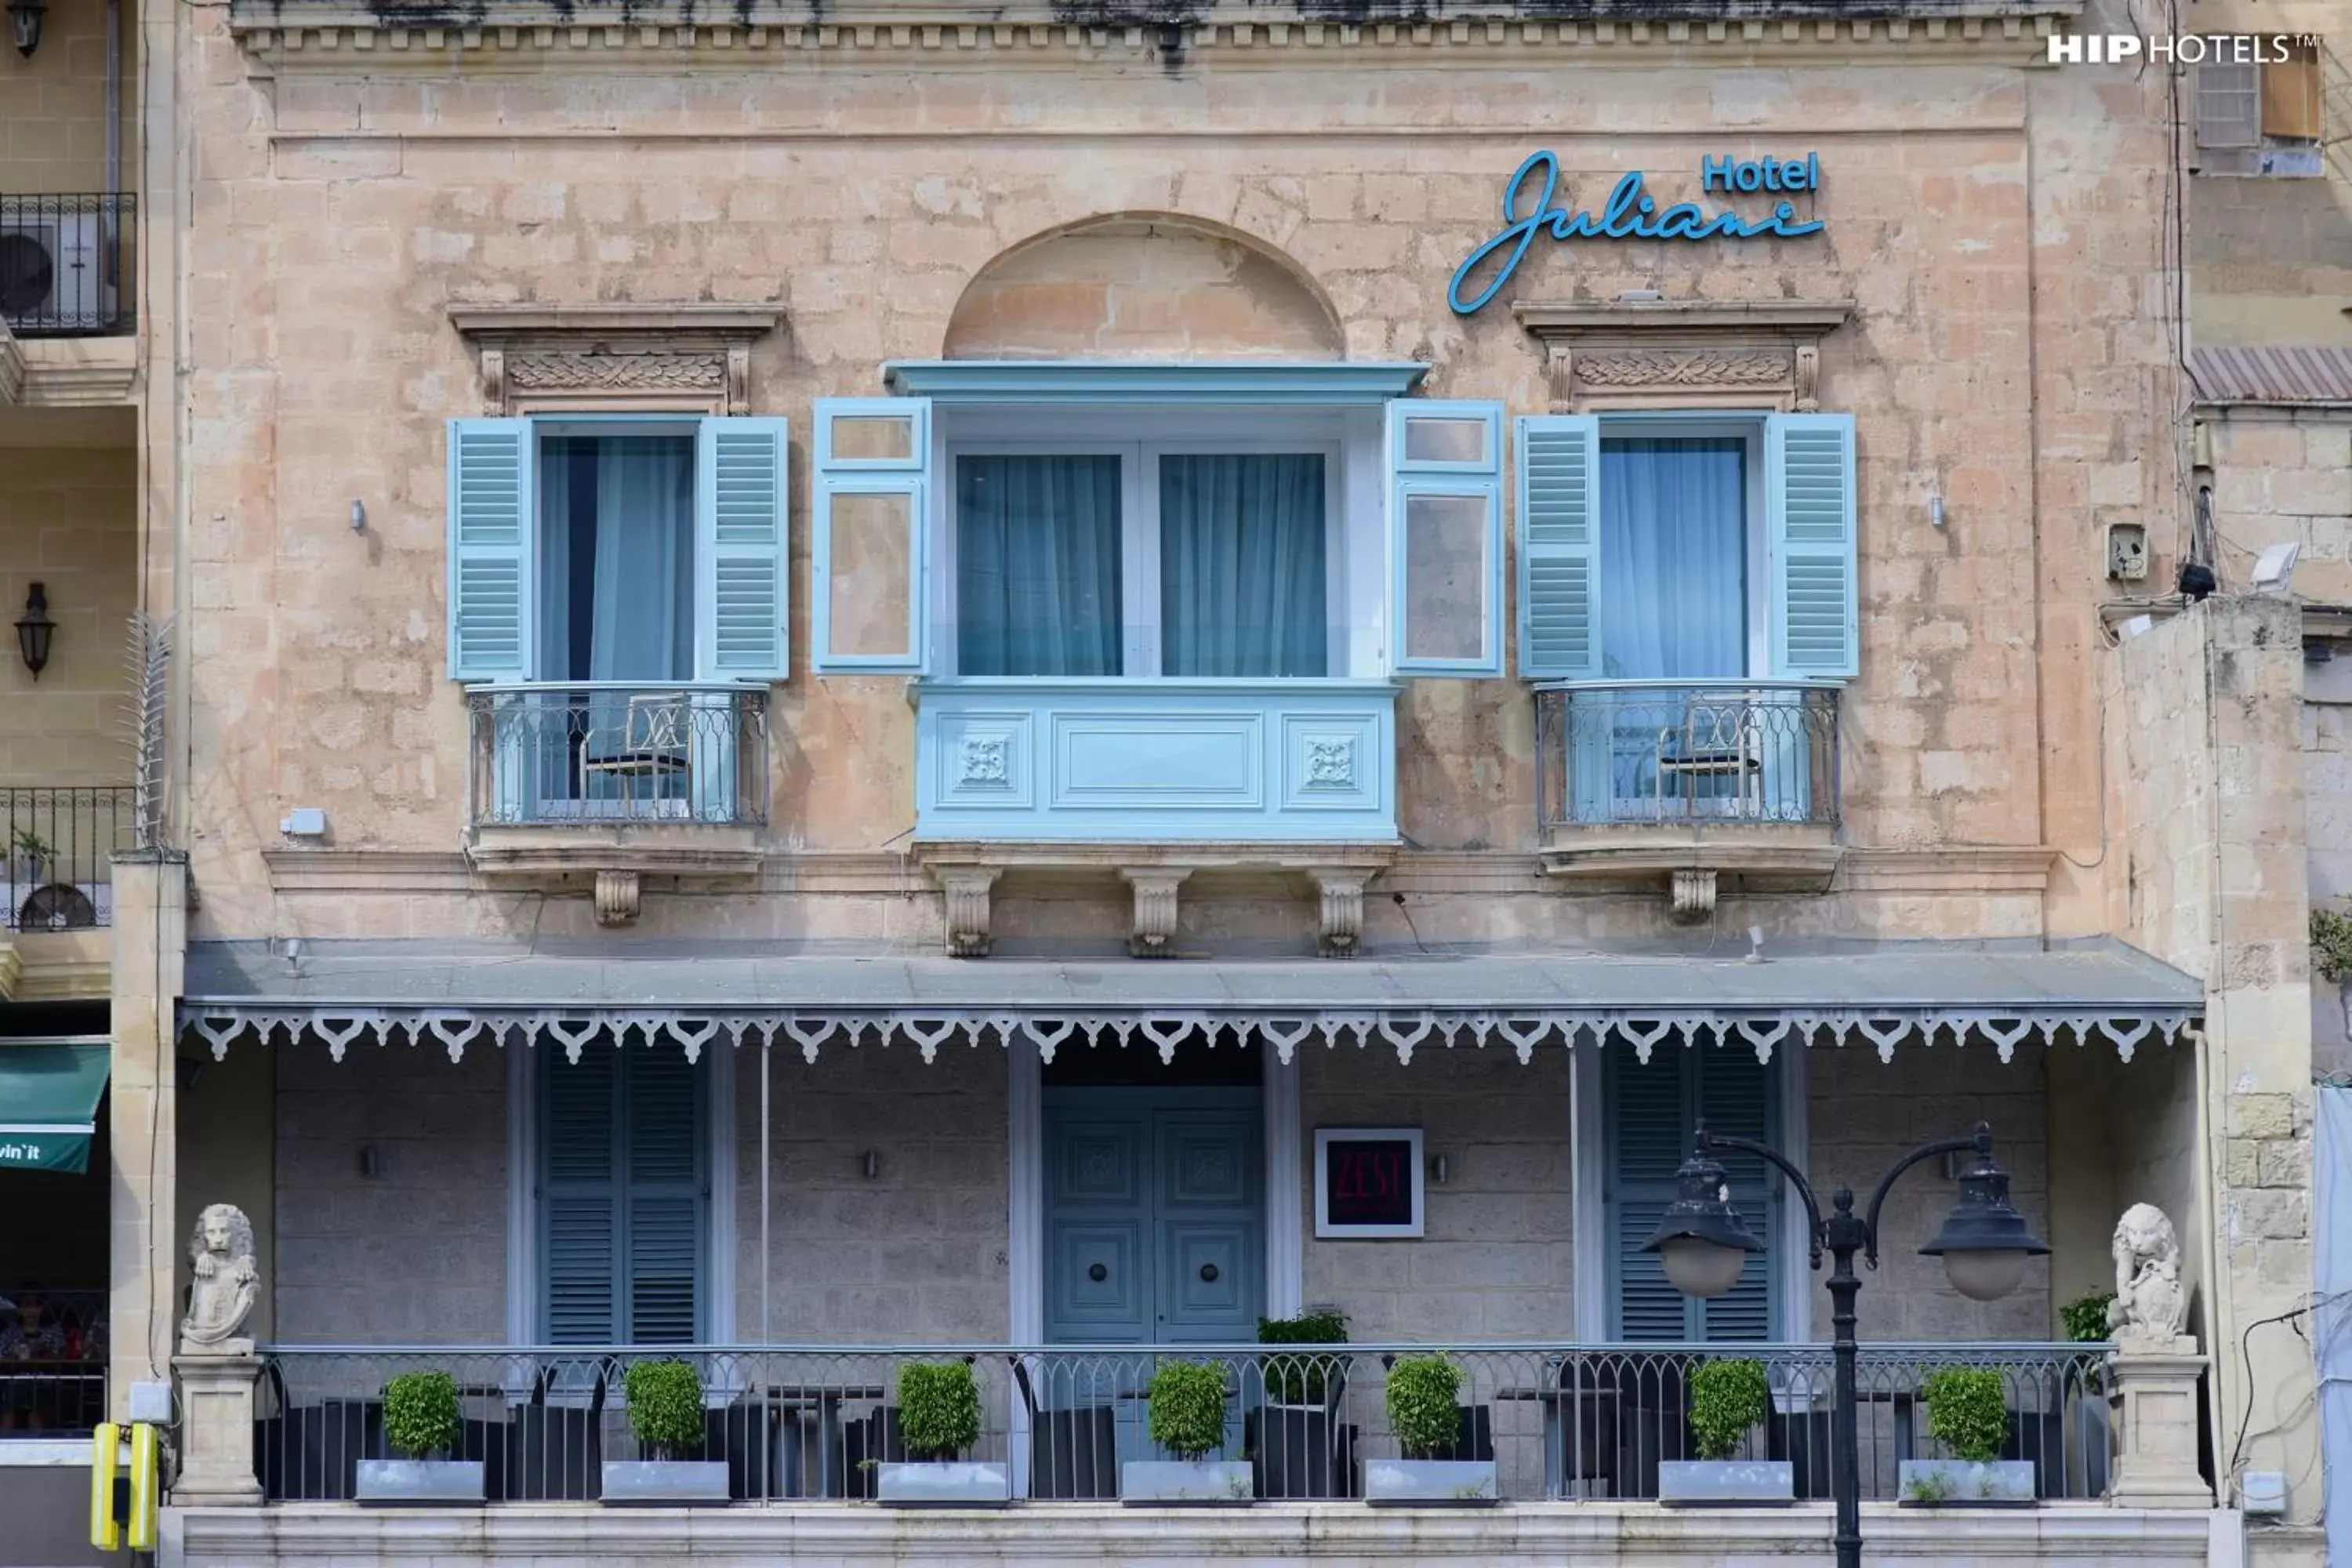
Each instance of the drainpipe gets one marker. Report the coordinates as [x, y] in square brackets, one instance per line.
[114, 99]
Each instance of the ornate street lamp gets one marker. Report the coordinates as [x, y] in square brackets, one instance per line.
[1984, 1243]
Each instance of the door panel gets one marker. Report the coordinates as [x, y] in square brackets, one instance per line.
[1100, 1279]
[1098, 1219]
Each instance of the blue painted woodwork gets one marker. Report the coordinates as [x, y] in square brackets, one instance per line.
[1078, 381]
[1024, 761]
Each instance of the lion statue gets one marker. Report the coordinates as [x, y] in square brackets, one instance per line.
[2150, 1306]
[221, 1254]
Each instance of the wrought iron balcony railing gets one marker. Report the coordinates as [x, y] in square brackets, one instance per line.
[1563, 1423]
[60, 845]
[584, 754]
[1688, 754]
[67, 265]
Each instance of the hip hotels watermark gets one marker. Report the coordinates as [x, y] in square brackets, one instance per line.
[2178, 48]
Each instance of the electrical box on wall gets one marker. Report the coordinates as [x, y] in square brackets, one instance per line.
[2128, 552]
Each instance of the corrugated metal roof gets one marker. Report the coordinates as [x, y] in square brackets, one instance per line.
[2272, 374]
[2099, 973]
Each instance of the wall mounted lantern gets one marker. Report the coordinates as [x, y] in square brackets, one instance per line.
[24, 23]
[34, 630]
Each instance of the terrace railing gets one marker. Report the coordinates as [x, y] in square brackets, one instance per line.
[1562, 1423]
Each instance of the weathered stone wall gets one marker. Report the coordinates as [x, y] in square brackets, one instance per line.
[69, 521]
[2206, 764]
[340, 211]
[53, 106]
[418, 1253]
[2270, 259]
[915, 1254]
[2284, 475]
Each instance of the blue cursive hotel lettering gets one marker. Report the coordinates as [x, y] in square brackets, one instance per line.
[1631, 213]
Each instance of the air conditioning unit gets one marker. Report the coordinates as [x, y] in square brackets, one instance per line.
[54, 272]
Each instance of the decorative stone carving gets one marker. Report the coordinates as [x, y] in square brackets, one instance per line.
[1341, 895]
[220, 1253]
[984, 760]
[1661, 368]
[2150, 1306]
[967, 889]
[608, 371]
[1691, 897]
[1331, 764]
[618, 898]
[1155, 910]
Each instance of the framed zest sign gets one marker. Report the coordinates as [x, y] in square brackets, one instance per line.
[1367, 1181]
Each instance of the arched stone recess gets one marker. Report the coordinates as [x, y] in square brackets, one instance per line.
[1144, 286]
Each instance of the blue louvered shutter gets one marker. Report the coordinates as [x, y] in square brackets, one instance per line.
[493, 529]
[1809, 503]
[1446, 538]
[662, 1142]
[580, 1255]
[1560, 546]
[869, 535]
[1651, 1111]
[742, 582]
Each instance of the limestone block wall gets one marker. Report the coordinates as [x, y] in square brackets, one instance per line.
[2207, 769]
[2284, 475]
[1495, 1260]
[915, 1254]
[68, 520]
[418, 1254]
[53, 106]
[344, 208]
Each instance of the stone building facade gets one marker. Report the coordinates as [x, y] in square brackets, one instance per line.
[1144, 238]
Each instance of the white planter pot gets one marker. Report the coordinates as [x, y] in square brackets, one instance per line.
[1965, 1483]
[1726, 1483]
[948, 1485]
[1465, 1483]
[420, 1480]
[642, 1482]
[1149, 1481]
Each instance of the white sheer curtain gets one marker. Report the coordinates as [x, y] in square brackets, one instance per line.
[1674, 557]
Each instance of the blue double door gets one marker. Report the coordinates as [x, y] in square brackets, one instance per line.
[1155, 1234]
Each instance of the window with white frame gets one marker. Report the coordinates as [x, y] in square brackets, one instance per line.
[1039, 542]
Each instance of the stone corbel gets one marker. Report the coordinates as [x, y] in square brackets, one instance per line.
[617, 895]
[966, 888]
[1341, 923]
[1691, 897]
[494, 382]
[1560, 367]
[1154, 935]
[1809, 378]
[739, 378]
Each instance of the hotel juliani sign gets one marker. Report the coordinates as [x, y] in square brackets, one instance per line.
[1533, 203]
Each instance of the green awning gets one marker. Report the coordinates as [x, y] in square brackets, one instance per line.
[48, 1103]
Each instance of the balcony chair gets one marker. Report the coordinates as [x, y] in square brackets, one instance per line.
[1718, 739]
[654, 748]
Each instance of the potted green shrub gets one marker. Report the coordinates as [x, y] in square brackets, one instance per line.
[421, 1425]
[665, 1413]
[1187, 1401]
[1729, 1398]
[1967, 1413]
[1424, 1412]
[1294, 1436]
[29, 856]
[939, 1423]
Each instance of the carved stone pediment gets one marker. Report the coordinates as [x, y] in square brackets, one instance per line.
[690, 359]
[1684, 354]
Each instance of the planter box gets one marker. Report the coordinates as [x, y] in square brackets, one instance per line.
[642, 1482]
[1726, 1483]
[1964, 1483]
[955, 1485]
[420, 1480]
[1460, 1483]
[1149, 1481]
